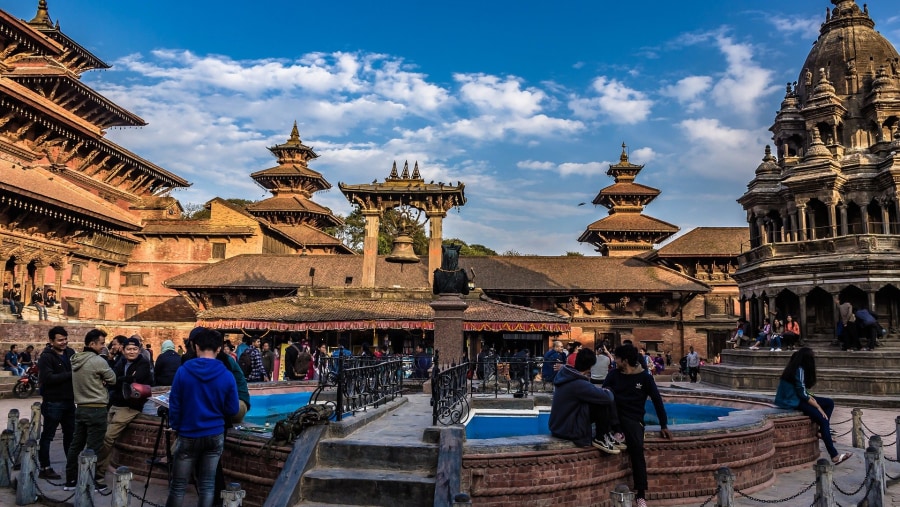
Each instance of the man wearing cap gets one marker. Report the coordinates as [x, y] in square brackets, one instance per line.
[203, 396]
[127, 398]
[90, 376]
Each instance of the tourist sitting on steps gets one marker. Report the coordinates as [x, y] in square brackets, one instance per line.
[798, 376]
[578, 405]
[791, 336]
[763, 337]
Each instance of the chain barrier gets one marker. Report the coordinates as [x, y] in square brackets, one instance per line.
[891, 477]
[892, 460]
[844, 433]
[715, 493]
[50, 499]
[874, 432]
[858, 489]
[144, 500]
[842, 422]
[782, 500]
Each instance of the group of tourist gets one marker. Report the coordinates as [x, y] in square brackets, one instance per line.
[855, 323]
[772, 333]
[94, 394]
[40, 300]
[18, 362]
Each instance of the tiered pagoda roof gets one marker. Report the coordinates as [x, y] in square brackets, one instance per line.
[403, 188]
[292, 183]
[626, 231]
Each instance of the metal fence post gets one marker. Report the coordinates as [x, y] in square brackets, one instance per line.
[122, 487]
[232, 495]
[859, 441]
[5, 459]
[725, 482]
[824, 489]
[25, 493]
[622, 496]
[875, 466]
[35, 430]
[84, 490]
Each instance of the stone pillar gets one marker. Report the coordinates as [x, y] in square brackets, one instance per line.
[811, 218]
[885, 219]
[871, 296]
[20, 273]
[832, 220]
[772, 309]
[844, 226]
[802, 318]
[763, 233]
[435, 238]
[792, 232]
[864, 211]
[743, 309]
[370, 246]
[448, 326]
[801, 217]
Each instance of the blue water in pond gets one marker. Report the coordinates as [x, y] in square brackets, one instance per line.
[501, 426]
[269, 408]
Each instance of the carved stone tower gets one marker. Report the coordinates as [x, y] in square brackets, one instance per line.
[626, 231]
[823, 214]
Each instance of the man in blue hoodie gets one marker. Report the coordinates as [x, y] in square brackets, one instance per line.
[577, 405]
[204, 394]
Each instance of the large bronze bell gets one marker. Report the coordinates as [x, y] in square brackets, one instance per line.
[402, 251]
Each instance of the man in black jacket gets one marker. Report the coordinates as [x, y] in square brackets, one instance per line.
[134, 368]
[58, 404]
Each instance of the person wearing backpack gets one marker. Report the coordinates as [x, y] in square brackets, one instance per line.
[252, 364]
[296, 362]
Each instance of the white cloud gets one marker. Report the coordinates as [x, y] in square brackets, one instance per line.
[490, 94]
[615, 101]
[745, 81]
[643, 155]
[720, 152]
[566, 168]
[688, 91]
[797, 25]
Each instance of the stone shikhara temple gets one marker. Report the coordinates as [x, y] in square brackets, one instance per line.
[105, 232]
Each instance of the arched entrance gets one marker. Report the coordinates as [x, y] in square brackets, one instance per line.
[887, 307]
[820, 312]
[787, 303]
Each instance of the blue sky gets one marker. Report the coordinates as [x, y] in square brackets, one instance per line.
[525, 102]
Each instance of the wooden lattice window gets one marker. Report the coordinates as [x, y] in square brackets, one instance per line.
[131, 312]
[218, 250]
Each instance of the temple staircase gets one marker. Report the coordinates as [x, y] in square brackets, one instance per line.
[871, 377]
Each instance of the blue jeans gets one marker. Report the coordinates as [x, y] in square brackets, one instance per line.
[813, 413]
[16, 370]
[776, 341]
[56, 413]
[41, 310]
[204, 451]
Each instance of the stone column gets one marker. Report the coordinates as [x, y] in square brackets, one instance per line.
[772, 309]
[871, 296]
[885, 219]
[792, 232]
[448, 327]
[763, 233]
[897, 211]
[811, 218]
[743, 309]
[864, 211]
[844, 226]
[832, 220]
[370, 246]
[39, 271]
[802, 317]
[801, 217]
[435, 238]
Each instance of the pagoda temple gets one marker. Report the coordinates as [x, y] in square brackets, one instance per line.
[626, 231]
[291, 210]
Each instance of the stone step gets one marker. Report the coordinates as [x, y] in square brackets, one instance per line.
[859, 378]
[883, 358]
[360, 454]
[356, 486]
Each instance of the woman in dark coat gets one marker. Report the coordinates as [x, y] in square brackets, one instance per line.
[166, 364]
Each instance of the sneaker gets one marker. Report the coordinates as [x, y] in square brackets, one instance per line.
[604, 445]
[640, 502]
[101, 487]
[49, 473]
[618, 441]
[773, 349]
[778, 350]
[70, 486]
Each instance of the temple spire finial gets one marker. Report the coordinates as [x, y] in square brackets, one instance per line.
[405, 174]
[624, 157]
[394, 175]
[42, 18]
[416, 175]
[295, 135]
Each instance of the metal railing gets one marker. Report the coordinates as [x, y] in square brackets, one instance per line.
[449, 392]
[357, 383]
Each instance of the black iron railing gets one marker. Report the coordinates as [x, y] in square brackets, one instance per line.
[449, 392]
[356, 383]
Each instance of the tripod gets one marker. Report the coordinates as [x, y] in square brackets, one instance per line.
[163, 414]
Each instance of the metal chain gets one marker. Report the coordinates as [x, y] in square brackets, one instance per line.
[45, 496]
[891, 477]
[858, 489]
[892, 460]
[888, 444]
[716, 492]
[844, 433]
[842, 422]
[142, 499]
[782, 500]
[874, 433]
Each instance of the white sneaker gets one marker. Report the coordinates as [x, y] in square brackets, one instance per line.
[772, 349]
[778, 350]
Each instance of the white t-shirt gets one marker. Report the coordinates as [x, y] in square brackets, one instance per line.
[600, 368]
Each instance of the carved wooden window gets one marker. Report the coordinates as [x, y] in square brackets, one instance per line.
[73, 307]
[218, 250]
[131, 312]
[75, 277]
[103, 282]
[134, 279]
[101, 311]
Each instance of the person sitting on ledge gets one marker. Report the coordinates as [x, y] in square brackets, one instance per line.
[798, 376]
[578, 404]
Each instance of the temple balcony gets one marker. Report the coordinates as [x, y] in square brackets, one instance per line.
[841, 245]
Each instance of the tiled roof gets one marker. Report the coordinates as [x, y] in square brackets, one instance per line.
[354, 313]
[575, 274]
[39, 184]
[289, 170]
[292, 203]
[708, 242]
[305, 234]
[628, 188]
[265, 271]
[493, 274]
[631, 222]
